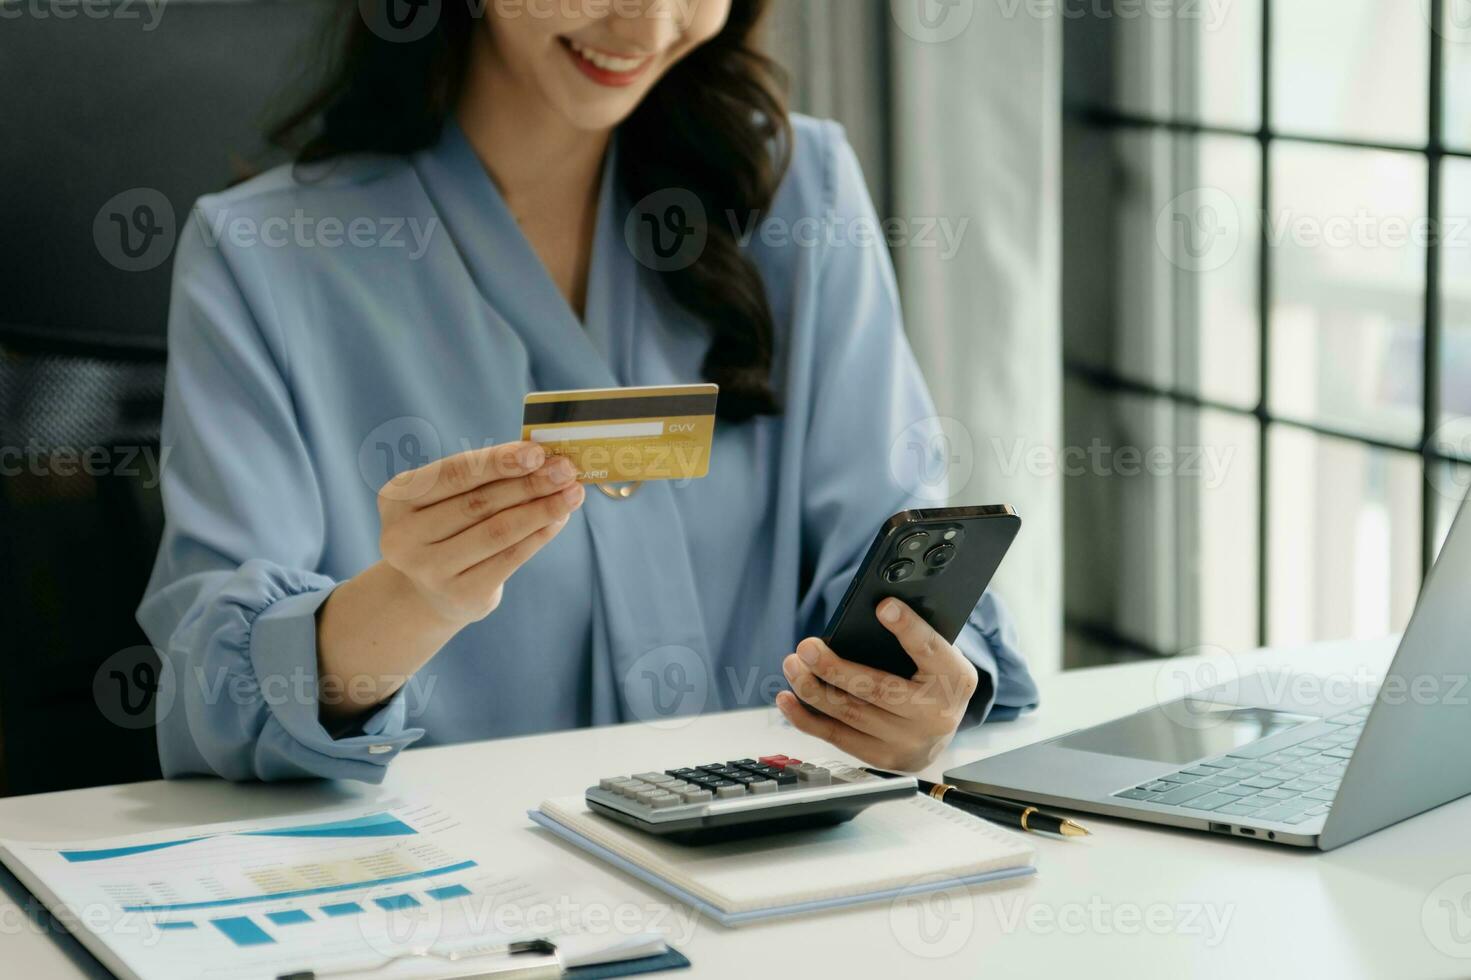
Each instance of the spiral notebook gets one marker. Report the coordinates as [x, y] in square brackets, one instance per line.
[889, 850]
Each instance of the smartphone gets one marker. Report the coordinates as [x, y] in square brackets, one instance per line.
[938, 561]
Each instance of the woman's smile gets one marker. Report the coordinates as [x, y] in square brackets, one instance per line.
[606, 67]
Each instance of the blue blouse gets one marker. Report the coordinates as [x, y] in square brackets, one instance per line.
[327, 334]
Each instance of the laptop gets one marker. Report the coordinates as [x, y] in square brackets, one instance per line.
[1287, 759]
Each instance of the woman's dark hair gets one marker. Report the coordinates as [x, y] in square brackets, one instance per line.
[715, 125]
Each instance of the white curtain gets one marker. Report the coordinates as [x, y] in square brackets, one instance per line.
[837, 52]
[975, 103]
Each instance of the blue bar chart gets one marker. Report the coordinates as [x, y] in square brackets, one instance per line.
[258, 899]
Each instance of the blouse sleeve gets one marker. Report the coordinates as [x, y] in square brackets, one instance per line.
[868, 392]
[233, 599]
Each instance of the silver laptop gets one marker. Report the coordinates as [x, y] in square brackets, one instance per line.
[1277, 757]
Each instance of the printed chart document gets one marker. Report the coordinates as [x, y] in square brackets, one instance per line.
[392, 891]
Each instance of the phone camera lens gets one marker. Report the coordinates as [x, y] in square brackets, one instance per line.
[899, 571]
[940, 555]
[913, 544]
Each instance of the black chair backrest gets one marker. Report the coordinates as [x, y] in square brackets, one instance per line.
[81, 518]
[121, 116]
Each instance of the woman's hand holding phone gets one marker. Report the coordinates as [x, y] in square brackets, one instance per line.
[459, 527]
[881, 718]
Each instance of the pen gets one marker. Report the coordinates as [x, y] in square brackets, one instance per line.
[541, 946]
[1028, 818]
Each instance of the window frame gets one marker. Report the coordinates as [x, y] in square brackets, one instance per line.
[1109, 381]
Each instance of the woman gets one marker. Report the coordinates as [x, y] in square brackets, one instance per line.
[453, 237]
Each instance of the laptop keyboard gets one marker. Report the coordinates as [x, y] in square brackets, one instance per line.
[1293, 783]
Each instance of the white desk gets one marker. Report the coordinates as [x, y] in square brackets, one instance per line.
[1130, 900]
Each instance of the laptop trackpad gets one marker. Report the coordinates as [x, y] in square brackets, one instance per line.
[1184, 731]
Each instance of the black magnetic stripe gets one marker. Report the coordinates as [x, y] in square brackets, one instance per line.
[602, 409]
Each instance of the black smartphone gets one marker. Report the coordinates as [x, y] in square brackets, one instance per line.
[938, 561]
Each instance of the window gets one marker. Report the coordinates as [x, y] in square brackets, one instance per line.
[1267, 317]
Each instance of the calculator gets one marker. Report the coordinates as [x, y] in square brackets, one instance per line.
[743, 798]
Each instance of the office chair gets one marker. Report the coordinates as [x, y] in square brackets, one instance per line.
[160, 113]
[81, 518]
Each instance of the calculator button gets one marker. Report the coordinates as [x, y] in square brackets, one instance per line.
[784, 778]
[696, 795]
[681, 773]
[742, 762]
[647, 795]
[811, 775]
[654, 777]
[777, 761]
[764, 786]
[729, 790]
[629, 787]
[744, 778]
[661, 800]
[678, 785]
[607, 782]
[720, 783]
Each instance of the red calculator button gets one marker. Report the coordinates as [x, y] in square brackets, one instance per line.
[773, 760]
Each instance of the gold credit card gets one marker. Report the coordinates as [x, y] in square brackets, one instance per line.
[618, 435]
